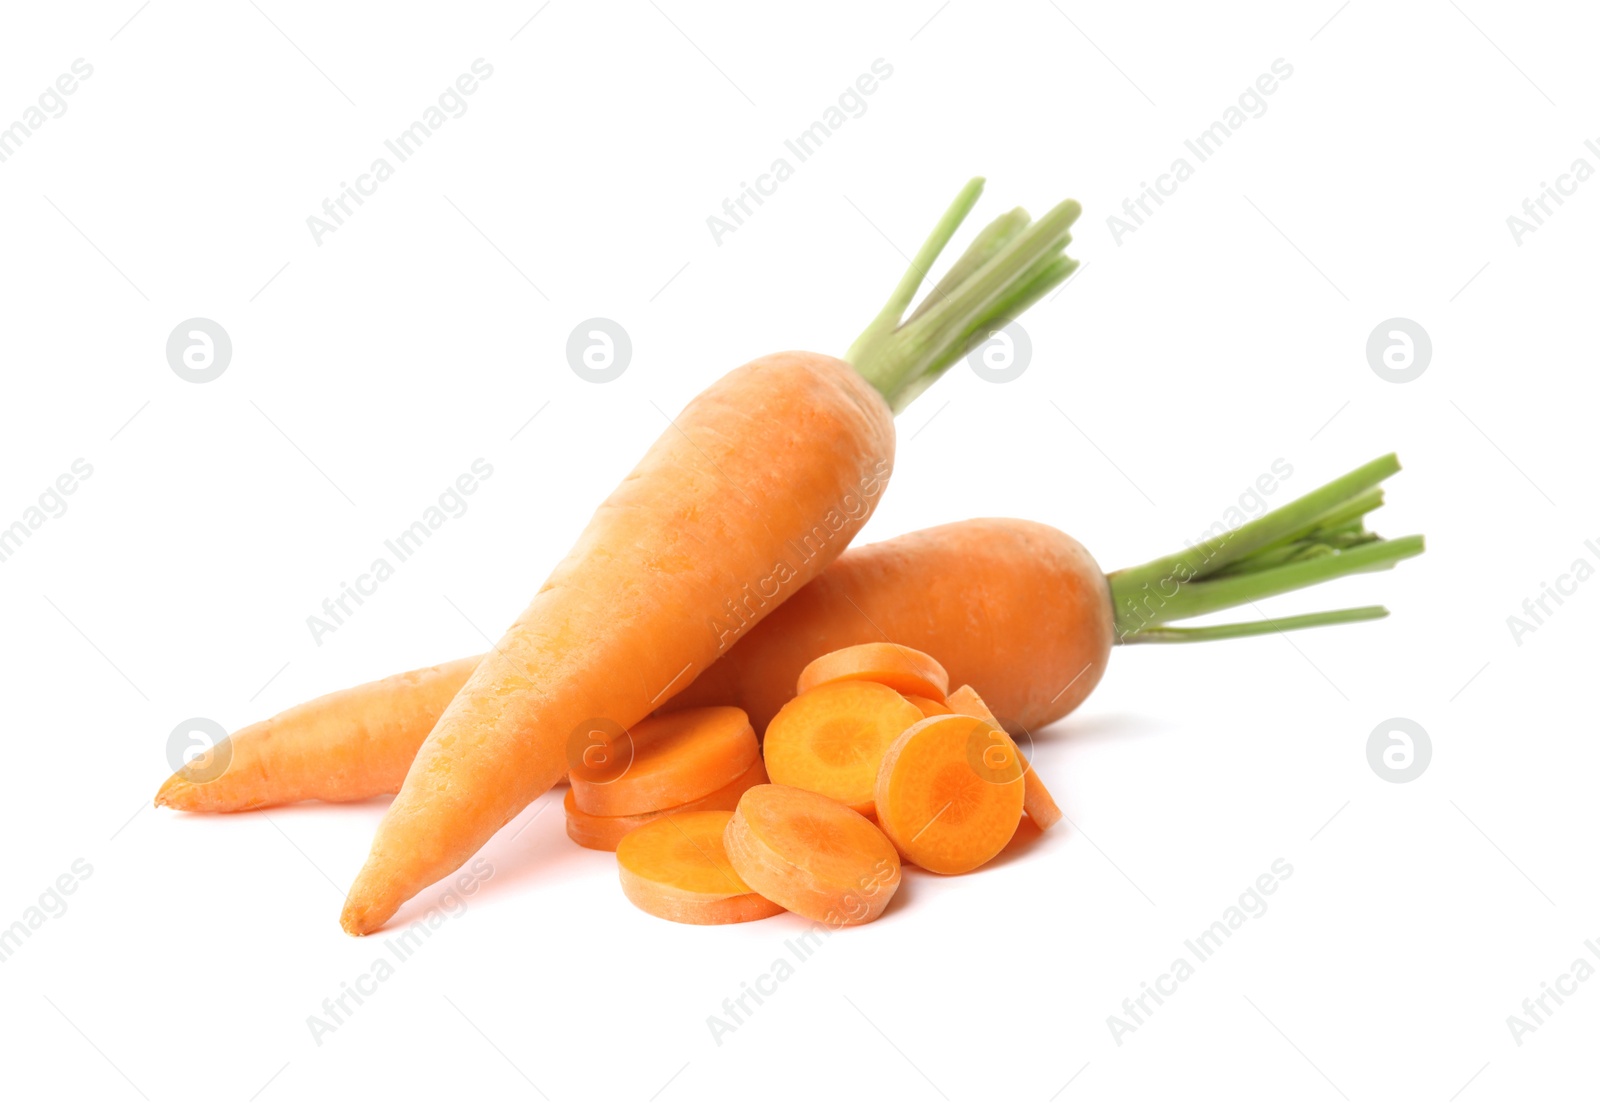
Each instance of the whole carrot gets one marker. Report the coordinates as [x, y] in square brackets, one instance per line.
[751, 492]
[1024, 614]
[1016, 607]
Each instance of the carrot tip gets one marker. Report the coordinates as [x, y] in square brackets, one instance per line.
[172, 792]
[357, 917]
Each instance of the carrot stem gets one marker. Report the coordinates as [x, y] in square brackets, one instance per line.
[1315, 538]
[1210, 556]
[1203, 633]
[990, 240]
[1009, 266]
[888, 318]
[1340, 527]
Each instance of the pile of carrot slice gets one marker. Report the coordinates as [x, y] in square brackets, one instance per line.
[873, 763]
[694, 760]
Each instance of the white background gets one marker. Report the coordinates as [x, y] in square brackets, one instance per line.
[372, 369]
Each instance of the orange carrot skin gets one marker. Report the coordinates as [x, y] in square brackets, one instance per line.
[903, 669]
[1016, 607]
[349, 745]
[750, 493]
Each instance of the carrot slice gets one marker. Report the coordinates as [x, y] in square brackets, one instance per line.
[676, 868]
[675, 758]
[928, 705]
[1041, 807]
[812, 855]
[830, 739]
[605, 832]
[900, 668]
[949, 793]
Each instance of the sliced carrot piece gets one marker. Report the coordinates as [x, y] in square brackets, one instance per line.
[830, 739]
[949, 793]
[928, 705]
[675, 758]
[605, 832]
[1041, 807]
[676, 868]
[900, 668]
[812, 855]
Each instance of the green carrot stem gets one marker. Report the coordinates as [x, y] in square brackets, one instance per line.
[1033, 285]
[1012, 266]
[1353, 510]
[888, 318]
[1012, 305]
[1321, 542]
[1210, 556]
[990, 240]
[1140, 606]
[1342, 518]
[1204, 633]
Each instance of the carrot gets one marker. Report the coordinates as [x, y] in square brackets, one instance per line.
[349, 745]
[1041, 807]
[1050, 616]
[747, 495]
[928, 706]
[676, 868]
[604, 832]
[1050, 621]
[675, 759]
[812, 855]
[830, 739]
[949, 793]
[904, 669]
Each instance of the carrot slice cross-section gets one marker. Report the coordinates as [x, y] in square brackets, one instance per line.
[900, 668]
[949, 793]
[812, 855]
[668, 760]
[1041, 807]
[676, 868]
[830, 739]
[605, 832]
